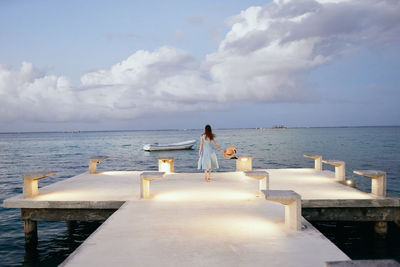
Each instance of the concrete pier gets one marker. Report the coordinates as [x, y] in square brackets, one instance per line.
[188, 221]
[239, 232]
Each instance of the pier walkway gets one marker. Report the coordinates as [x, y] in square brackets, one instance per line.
[112, 188]
[189, 222]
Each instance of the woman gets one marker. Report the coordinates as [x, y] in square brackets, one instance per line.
[207, 158]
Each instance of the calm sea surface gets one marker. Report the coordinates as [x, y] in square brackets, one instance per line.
[67, 154]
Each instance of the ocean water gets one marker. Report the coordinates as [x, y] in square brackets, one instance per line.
[67, 154]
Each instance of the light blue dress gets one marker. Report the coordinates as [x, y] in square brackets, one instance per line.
[208, 158]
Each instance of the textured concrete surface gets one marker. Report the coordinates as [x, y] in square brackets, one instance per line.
[103, 190]
[189, 222]
[312, 184]
[96, 190]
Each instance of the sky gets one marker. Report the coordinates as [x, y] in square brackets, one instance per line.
[135, 65]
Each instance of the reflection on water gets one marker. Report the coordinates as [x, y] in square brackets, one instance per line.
[67, 154]
[359, 240]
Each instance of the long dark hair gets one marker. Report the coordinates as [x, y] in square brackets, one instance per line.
[208, 132]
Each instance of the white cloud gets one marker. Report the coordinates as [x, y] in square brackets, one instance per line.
[266, 56]
[28, 93]
[269, 51]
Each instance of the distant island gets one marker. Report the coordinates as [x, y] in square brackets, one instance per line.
[279, 127]
[274, 127]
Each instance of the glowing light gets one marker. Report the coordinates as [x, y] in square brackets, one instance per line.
[165, 167]
[209, 195]
[166, 164]
[64, 195]
[240, 225]
[350, 182]
[112, 173]
[244, 164]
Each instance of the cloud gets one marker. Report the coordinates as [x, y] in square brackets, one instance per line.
[270, 51]
[29, 94]
[166, 80]
[265, 57]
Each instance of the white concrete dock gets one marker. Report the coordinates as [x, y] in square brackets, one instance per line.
[203, 233]
[312, 184]
[114, 187]
[189, 222]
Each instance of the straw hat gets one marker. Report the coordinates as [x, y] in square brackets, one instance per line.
[230, 152]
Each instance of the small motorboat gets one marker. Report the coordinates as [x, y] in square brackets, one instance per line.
[175, 146]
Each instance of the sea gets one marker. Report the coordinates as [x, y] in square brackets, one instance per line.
[67, 154]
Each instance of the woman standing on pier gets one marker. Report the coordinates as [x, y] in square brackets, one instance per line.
[207, 157]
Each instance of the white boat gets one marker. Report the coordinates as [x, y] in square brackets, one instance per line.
[175, 146]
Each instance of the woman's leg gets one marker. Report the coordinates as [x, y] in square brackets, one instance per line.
[205, 175]
[209, 174]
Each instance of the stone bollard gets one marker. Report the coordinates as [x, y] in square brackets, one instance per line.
[378, 183]
[317, 161]
[292, 202]
[93, 164]
[166, 164]
[244, 164]
[30, 188]
[145, 178]
[261, 176]
[340, 169]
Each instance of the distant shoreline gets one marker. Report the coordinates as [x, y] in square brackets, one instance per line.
[199, 129]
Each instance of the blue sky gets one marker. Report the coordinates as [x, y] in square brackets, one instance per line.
[74, 37]
[104, 65]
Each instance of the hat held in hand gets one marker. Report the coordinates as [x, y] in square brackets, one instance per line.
[229, 152]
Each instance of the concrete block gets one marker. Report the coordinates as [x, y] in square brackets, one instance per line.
[292, 202]
[93, 164]
[30, 187]
[244, 164]
[262, 176]
[317, 161]
[378, 183]
[144, 188]
[145, 178]
[166, 164]
[340, 168]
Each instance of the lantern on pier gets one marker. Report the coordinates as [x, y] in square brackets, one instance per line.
[244, 164]
[166, 164]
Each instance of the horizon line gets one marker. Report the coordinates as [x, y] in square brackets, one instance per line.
[193, 129]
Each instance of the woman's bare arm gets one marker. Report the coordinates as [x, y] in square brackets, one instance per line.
[215, 144]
